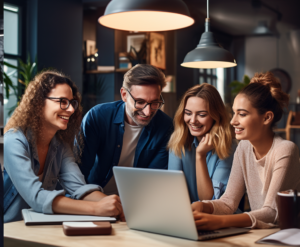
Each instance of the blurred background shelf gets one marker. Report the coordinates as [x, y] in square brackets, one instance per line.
[99, 71]
[106, 71]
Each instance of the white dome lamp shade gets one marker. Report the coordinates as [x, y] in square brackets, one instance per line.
[208, 54]
[146, 15]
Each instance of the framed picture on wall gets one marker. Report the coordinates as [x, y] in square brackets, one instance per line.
[135, 41]
[90, 47]
[157, 50]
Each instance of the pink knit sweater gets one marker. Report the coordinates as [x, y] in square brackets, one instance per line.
[278, 170]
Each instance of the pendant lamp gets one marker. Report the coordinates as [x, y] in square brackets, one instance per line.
[146, 15]
[262, 29]
[208, 53]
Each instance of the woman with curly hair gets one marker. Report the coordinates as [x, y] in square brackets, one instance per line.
[38, 143]
[263, 164]
[201, 144]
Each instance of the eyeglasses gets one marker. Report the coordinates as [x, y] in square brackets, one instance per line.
[65, 103]
[141, 104]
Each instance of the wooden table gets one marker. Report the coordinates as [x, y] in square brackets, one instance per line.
[17, 234]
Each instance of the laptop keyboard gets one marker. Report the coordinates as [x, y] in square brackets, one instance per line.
[202, 233]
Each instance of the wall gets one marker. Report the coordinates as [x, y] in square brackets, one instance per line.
[266, 53]
[55, 35]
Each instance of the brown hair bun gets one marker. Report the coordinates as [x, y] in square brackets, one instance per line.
[269, 80]
[265, 94]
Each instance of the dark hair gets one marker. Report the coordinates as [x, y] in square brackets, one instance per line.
[144, 74]
[265, 94]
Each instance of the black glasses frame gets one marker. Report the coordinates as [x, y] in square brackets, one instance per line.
[69, 102]
[162, 103]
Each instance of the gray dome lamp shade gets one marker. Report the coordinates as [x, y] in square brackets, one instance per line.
[208, 53]
[146, 15]
[262, 29]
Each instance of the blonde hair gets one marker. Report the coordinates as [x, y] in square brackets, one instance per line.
[221, 130]
[29, 114]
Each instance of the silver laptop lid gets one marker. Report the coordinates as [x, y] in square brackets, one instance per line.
[156, 201]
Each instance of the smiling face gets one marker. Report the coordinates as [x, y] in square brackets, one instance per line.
[54, 117]
[197, 118]
[248, 124]
[148, 93]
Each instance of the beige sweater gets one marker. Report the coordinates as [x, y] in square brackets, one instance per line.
[278, 170]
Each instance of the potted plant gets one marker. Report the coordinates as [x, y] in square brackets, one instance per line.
[26, 72]
[237, 86]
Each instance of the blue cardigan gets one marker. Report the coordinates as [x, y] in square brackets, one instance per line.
[219, 170]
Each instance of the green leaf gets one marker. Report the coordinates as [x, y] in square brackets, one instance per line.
[10, 65]
[237, 86]
[22, 65]
[9, 84]
[32, 68]
[23, 74]
[246, 79]
[234, 84]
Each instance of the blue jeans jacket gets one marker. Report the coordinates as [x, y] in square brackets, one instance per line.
[103, 129]
[218, 170]
[22, 188]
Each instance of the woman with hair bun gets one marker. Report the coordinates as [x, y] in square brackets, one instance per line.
[263, 164]
[38, 143]
[201, 145]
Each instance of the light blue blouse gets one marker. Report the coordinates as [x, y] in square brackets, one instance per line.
[21, 166]
[219, 170]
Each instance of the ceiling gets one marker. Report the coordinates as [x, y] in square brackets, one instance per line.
[238, 17]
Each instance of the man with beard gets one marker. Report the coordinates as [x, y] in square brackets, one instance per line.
[132, 132]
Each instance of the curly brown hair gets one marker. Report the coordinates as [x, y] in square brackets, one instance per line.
[29, 114]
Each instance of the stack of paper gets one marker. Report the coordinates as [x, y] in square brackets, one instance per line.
[284, 237]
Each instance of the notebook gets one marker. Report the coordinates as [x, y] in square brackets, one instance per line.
[33, 218]
[158, 201]
[284, 237]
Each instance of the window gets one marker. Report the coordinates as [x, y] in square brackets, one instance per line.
[11, 27]
[12, 51]
[213, 77]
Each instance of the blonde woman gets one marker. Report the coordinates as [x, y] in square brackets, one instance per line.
[201, 144]
[38, 154]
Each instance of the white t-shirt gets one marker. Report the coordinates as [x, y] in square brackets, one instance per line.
[130, 141]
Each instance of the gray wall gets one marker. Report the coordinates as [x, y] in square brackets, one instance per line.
[266, 53]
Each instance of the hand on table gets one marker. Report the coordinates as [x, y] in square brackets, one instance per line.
[110, 206]
[205, 145]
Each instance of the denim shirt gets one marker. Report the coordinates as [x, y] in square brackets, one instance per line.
[22, 188]
[103, 130]
[218, 170]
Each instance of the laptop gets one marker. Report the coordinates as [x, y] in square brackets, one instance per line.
[158, 201]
